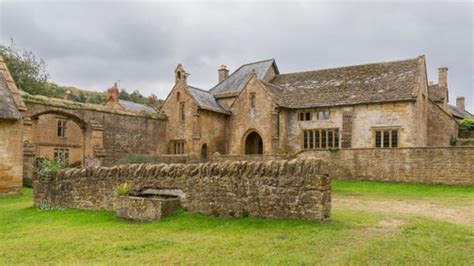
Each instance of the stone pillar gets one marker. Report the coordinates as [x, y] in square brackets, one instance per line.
[346, 136]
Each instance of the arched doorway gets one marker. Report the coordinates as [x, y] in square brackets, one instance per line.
[253, 144]
[204, 152]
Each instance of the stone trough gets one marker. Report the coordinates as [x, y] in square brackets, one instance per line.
[146, 206]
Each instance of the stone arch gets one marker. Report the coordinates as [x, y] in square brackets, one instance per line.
[79, 121]
[253, 142]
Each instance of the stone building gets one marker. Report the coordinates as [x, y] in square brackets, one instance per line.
[11, 133]
[258, 110]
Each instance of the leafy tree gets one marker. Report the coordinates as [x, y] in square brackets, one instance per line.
[28, 71]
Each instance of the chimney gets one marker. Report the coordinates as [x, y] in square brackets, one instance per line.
[152, 101]
[113, 94]
[443, 77]
[68, 95]
[460, 103]
[223, 73]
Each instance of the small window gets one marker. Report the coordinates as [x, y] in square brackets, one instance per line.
[253, 100]
[61, 130]
[304, 116]
[61, 155]
[386, 138]
[323, 115]
[181, 112]
[177, 147]
[178, 96]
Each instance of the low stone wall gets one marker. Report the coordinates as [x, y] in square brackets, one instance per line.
[249, 157]
[432, 165]
[273, 189]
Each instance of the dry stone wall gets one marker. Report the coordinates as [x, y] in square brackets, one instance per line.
[431, 165]
[272, 189]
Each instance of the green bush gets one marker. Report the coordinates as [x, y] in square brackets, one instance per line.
[467, 124]
[136, 158]
[47, 169]
[122, 189]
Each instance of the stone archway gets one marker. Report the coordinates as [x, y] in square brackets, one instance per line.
[253, 143]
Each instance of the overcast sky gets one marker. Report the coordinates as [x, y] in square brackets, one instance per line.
[91, 44]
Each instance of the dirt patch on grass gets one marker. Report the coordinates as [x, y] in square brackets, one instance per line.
[461, 215]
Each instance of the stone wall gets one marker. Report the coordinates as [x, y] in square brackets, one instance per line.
[250, 157]
[433, 165]
[441, 126]
[273, 189]
[11, 157]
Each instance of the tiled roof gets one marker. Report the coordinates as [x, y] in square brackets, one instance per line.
[239, 78]
[370, 83]
[136, 107]
[8, 108]
[435, 93]
[206, 100]
[459, 113]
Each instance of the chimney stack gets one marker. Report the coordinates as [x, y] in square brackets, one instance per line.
[460, 103]
[443, 77]
[152, 100]
[113, 94]
[223, 73]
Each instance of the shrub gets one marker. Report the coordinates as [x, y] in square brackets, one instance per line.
[48, 169]
[136, 158]
[467, 124]
[122, 189]
[453, 140]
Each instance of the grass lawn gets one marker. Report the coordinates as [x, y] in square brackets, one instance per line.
[371, 223]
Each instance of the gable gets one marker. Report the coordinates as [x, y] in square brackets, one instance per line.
[8, 108]
[236, 82]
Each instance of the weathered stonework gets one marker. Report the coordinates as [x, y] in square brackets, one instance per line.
[11, 157]
[144, 209]
[441, 126]
[273, 189]
[429, 165]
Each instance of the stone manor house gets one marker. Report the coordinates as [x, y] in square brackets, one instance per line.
[258, 110]
[254, 110]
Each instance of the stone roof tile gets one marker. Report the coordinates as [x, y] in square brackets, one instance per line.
[370, 83]
[206, 100]
[239, 78]
[8, 108]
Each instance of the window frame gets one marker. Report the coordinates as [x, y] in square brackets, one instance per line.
[325, 114]
[386, 135]
[61, 155]
[305, 116]
[61, 128]
[321, 139]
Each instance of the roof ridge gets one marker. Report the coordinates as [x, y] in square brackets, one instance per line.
[349, 66]
[196, 88]
[235, 71]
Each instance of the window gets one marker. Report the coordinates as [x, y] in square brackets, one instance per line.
[323, 115]
[321, 138]
[177, 147]
[253, 101]
[178, 96]
[386, 138]
[61, 155]
[304, 116]
[61, 132]
[181, 111]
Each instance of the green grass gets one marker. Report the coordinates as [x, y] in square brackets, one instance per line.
[32, 236]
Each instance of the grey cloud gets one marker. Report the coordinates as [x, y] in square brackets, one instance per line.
[92, 44]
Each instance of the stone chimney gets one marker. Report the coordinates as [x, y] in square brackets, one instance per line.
[68, 95]
[223, 73]
[113, 95]
[152, 100]
[443, 77]
[460, 103]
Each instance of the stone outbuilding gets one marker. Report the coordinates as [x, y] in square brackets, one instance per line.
[11, 134]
